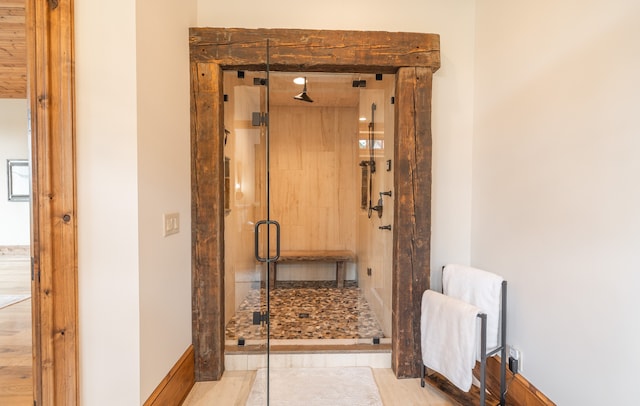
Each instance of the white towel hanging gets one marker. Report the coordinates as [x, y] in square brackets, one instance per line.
[479, 288]
[448, 333]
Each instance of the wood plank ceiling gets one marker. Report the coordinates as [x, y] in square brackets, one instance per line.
[13, 53]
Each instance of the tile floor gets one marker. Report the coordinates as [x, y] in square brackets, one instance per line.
[307, 310]
[308, 358]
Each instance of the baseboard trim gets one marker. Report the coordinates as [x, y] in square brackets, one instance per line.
[15, 250]
[175, 387]
[520, 391]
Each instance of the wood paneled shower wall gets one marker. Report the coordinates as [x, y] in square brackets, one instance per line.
[313, 184]
[413, 58]
[313, 188]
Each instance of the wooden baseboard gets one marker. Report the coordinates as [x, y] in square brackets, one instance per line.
[15, 250]
[520, 392]
[457, 396]
[175, 387]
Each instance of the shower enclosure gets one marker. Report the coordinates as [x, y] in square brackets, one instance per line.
[316, 153]
[400, 195]
[293, 184]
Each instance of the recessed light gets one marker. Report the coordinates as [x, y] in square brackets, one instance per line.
[363, 119]
[299, 81]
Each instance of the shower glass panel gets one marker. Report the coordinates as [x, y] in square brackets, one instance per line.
[375, 200]
[316, 150]
[250, 234]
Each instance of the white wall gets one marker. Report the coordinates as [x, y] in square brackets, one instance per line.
[164, 184]
[106, 126]
[132, 127]
[452, 86]
[14, 216]
[555, 188]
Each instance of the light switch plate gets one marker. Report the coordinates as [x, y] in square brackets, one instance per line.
[171, 223]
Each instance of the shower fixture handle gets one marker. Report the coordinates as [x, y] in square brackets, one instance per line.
[378, 208]
[387, 227]
[385, 194]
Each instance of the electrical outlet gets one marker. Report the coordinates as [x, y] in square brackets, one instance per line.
[516, 354]
[513, 365]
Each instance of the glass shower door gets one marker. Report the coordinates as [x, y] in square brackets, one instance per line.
[251, 235]
[266, 229]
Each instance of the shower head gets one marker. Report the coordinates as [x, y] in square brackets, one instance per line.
[304, 96]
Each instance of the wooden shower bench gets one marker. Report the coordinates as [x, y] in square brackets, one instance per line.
[337, 256]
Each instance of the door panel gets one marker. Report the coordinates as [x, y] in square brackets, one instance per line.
[250, 234]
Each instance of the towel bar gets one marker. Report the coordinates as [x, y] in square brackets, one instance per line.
[501, 348]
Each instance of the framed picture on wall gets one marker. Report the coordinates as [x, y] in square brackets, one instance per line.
[18, 180]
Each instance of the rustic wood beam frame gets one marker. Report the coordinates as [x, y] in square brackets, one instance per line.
[50, 83]
[413, 58]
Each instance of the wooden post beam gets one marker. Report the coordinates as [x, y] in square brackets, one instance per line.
[207, 220]
[412, 217]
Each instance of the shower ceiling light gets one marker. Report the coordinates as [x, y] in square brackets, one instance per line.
[299, 81]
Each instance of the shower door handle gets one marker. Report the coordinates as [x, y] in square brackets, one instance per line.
[257, 241]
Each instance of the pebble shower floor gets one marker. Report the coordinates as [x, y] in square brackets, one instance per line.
[307, 310]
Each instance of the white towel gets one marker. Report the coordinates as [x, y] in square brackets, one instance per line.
[448, 332]
[479, 288]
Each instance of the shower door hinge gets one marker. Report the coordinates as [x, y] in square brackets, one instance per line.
[260, 318]
[259, 118]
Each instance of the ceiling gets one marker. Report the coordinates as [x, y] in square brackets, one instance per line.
[13, 54]
[326, 89]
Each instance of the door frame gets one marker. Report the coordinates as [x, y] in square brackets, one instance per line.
[51, 101]
[413, 58]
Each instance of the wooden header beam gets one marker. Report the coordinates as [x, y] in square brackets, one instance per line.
[315, 50]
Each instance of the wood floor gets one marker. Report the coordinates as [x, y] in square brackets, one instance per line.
[16, 388]
[234, 387]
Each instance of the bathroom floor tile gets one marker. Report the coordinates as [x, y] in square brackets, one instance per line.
[307, 310]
